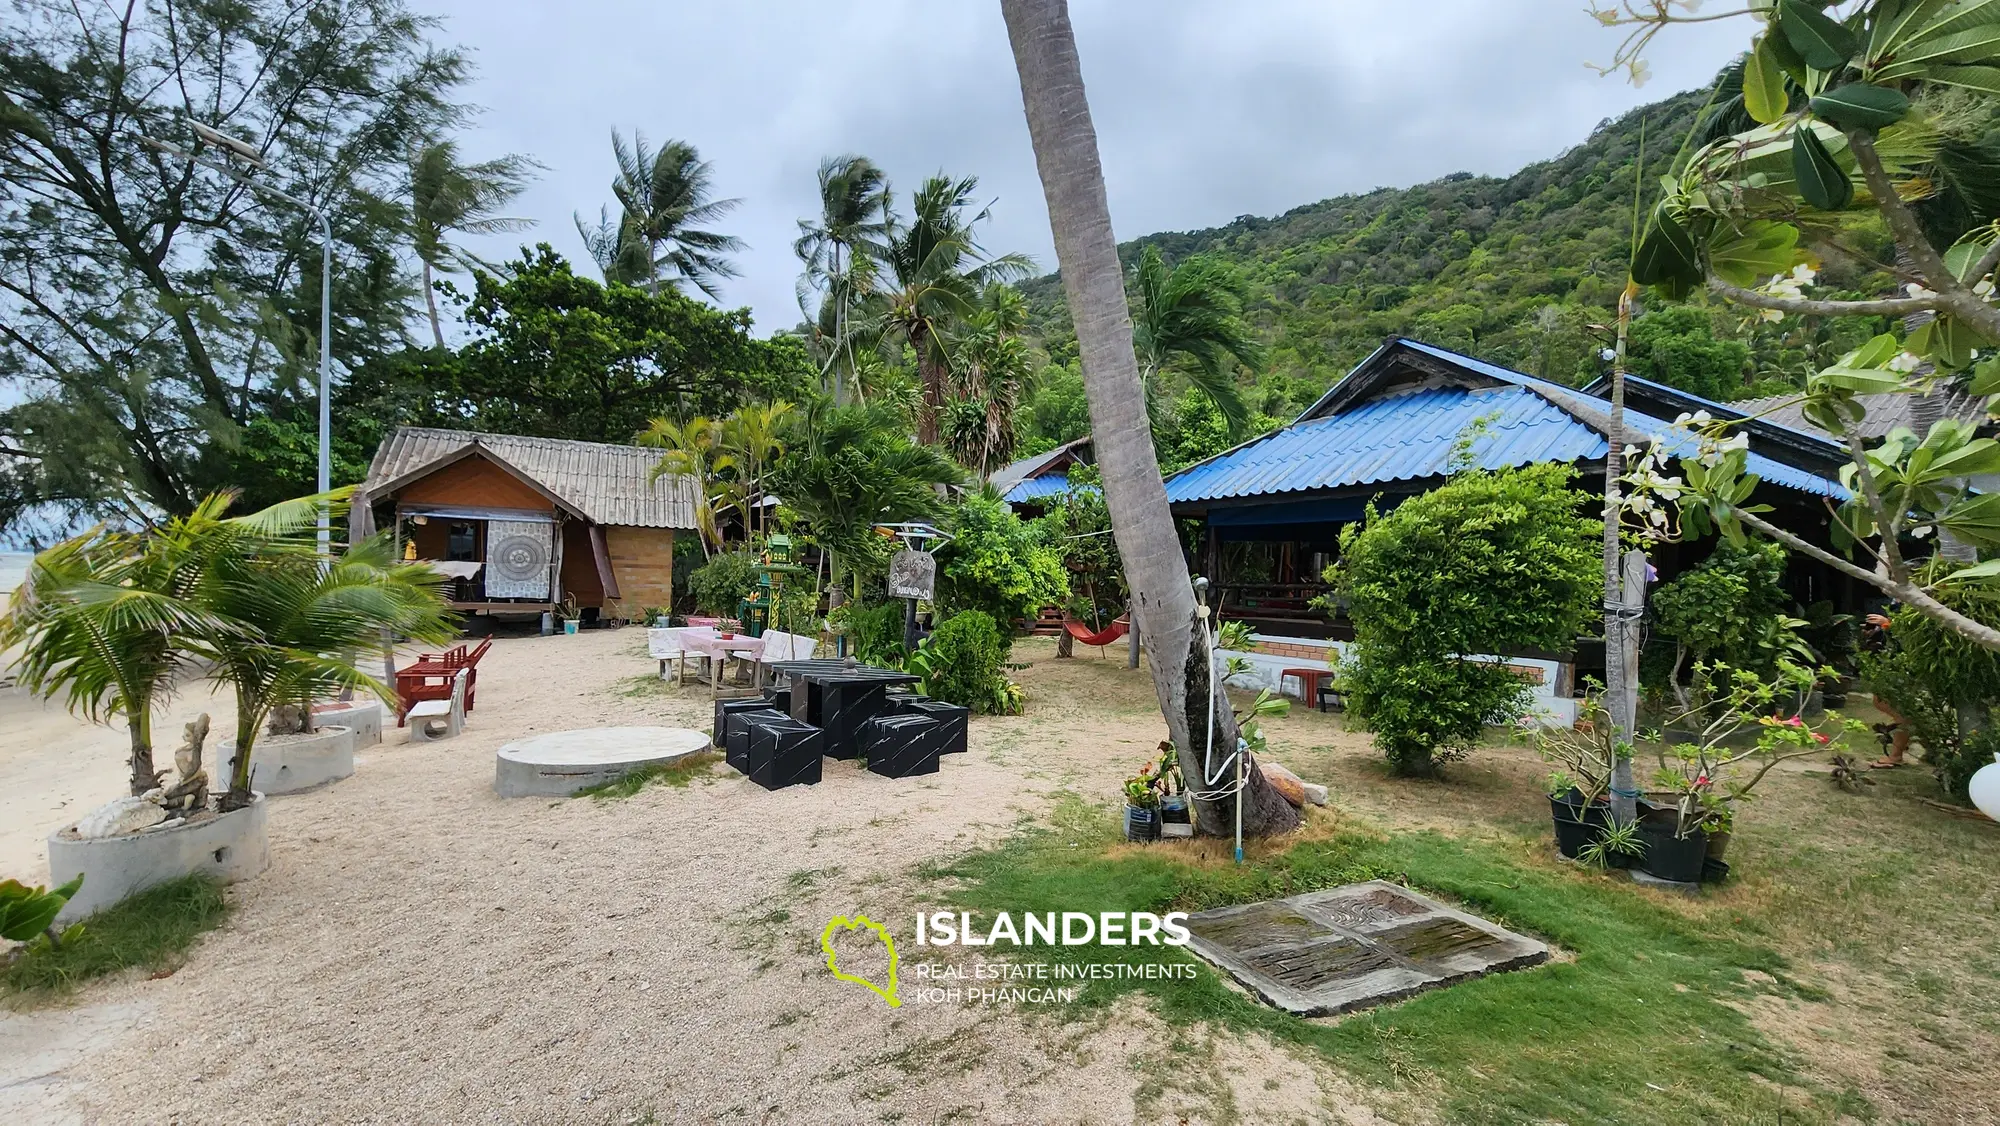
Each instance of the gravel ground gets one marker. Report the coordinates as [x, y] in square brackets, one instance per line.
[421, 951]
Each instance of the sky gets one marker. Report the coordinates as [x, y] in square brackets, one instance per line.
[1204, 111]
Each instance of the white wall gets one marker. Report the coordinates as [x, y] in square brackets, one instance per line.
[1545, 706]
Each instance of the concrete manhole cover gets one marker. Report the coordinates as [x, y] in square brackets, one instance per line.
[1336, 951]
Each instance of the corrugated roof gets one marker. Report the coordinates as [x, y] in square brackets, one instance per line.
[1013, 473]
[1038, 488]
[606, 482]
[1886, 411]
[1411, 435]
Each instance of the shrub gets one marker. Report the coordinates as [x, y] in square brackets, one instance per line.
[876, 632]
[1730, 608]
[1945, 685]
[1490, 563]
[719, 584]
[997, 563]
[966, 657]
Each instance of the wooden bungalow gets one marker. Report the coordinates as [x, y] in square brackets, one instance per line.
[523, 524]
[1272, 510]
[1028, 485]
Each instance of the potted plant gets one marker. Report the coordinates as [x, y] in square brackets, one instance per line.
[1579, 785]
[1175, 817]
[1701, 780]
[111, 619]
[1142, 805]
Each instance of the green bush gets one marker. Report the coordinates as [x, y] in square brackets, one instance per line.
[722, 582]
[1945, 685]
[997, 563]
[1491, 563]
[966, 659]
[876, 633]
[1729, 607]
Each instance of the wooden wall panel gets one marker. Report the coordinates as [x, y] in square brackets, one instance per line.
[477, 482]
[643, 561]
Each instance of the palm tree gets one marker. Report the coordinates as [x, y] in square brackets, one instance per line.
[303, 616]
[849, 468]
[755, 437]
[665, 195]
[695, 449]
[838, 250]
[1194, 310]
[614, 245]
[933, 272]
[447, 198]
[1163, 600]
[990, 371]
[105, 619]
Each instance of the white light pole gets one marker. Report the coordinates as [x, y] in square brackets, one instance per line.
[251, 157]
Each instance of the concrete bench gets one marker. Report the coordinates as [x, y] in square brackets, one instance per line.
[431, 720]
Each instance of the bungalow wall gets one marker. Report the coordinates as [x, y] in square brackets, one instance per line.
[475, 483]
[642, 559]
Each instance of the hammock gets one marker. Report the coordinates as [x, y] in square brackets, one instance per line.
[1100, 639]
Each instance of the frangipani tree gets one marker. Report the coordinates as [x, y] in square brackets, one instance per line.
[1861, 112]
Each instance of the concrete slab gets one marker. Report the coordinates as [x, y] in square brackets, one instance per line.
[562, 762]
[1351, 947]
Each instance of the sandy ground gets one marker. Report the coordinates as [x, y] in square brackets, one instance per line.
[421, 951]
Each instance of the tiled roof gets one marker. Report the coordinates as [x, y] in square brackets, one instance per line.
[1405, 435]
[610, 484]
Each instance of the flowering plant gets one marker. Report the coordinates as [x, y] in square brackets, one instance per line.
[1703, 770]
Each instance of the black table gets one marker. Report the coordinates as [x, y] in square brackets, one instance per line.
[838, 696]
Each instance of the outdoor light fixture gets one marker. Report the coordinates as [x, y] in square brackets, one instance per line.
[1984, 789]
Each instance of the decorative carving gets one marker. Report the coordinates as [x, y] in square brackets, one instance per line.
[190, 793]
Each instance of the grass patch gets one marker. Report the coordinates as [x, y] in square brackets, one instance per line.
[677, 774]
[152, 930]
[1640, 1026]
[643, 686]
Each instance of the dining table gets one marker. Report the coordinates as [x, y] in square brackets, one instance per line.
[709, 642]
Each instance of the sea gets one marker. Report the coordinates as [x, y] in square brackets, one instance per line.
[13, 568]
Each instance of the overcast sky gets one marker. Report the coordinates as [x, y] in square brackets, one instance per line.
[1205, 111]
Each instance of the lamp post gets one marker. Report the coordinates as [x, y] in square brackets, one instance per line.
[248, 155]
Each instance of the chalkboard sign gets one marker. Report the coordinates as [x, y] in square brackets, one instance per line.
[912, 574]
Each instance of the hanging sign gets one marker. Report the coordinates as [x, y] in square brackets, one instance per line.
[912, 574]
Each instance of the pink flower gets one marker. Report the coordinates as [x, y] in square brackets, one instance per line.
[1821, 737]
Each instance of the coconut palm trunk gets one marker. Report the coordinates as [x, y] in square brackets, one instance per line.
[431, 300]
[1163, 600]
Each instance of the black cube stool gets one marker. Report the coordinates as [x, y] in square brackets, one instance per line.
[900, 746]
[955, 718]
[727, 708]
[778, 751]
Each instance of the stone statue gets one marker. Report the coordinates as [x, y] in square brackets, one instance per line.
[190, 793]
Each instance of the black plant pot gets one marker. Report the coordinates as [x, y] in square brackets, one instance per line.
[1577, 823]
[1673, 858]
[1142, 824]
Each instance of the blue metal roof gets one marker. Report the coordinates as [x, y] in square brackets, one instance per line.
[1038, 488]
[1411, 435]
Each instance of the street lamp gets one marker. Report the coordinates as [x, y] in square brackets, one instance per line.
[248, 155]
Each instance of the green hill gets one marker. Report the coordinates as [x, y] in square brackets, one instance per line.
[1515, 270]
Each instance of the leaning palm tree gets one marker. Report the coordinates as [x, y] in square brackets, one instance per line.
[449, 198]
[838, 249]
[1193, 310]
[667, 196]
[695, 449]
[1163, 600]
[303, 616]
[105, 619]
[932, 274]
[614, 245]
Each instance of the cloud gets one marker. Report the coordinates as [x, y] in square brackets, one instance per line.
[1204, 111]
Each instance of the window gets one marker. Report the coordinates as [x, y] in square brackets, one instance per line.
[462, 542]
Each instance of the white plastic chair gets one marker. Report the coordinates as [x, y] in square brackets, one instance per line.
[431, 720]
[782, 646]
[665, 644]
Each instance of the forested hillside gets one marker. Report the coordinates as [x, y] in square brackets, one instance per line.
[1513, 270]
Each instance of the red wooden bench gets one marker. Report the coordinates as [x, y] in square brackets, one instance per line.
[429, 677]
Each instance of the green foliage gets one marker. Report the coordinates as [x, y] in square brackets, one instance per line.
[966, 664]
[997, 563]
[726, 579]
[677, 774]
[1945, 685]
[1724, 607]
[876, 633]
[561, 356]
[1490, 563]
[152, 930]
[29, 913]
[171, 307]
[1192, 430]
[1677, 346]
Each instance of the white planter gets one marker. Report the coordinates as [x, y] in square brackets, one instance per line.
[363, 717]
[286, 764]
[227, 847]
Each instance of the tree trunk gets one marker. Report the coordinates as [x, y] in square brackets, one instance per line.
[1132, 643]
[1621, 699]
[1066, 155]
[1065, 644]
[931, 374]
[431, 299]
[139, 725]
[248, 720]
